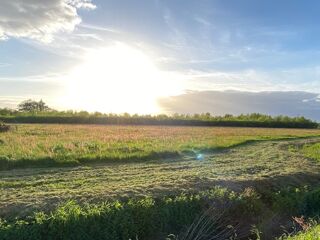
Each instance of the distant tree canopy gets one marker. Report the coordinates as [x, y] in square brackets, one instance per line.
[33, 106]
[31, 111]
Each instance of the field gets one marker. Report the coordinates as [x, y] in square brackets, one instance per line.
[43, 145]
[162, 175]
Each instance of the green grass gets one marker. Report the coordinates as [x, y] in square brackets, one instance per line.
[60, 145]
[152, 197]
[312, 151]
[311, 234]
[216, 211]
[147, 218]
[261, 164]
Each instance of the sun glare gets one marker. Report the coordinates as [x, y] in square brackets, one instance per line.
[118, 79]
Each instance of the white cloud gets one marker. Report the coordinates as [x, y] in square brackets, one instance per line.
[39, 19]
[202, 21]
[99, 28]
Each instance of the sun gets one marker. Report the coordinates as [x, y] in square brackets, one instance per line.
[118, 79]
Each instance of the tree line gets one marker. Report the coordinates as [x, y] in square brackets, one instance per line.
[31, 111]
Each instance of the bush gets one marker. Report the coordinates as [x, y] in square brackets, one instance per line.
[311, 206]
[70, 117]
[4, 127]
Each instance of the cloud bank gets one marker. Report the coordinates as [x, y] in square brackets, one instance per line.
[13, 92]
[39, 19]
[236, 102]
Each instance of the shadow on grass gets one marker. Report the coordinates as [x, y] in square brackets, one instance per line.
[45, 162]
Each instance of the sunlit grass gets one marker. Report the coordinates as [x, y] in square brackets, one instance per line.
[134, 191]
[311, 234]
[312, 151]
[36, 145]
[22, 190]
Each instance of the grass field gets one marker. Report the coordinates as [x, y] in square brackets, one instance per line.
[168, 187]
[26, 188]
[44, 145]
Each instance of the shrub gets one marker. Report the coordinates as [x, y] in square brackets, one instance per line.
[4, 127]
[70, 117]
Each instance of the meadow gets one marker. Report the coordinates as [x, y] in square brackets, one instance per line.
[54, 145]
[155, 182]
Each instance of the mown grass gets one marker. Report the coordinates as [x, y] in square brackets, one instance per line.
[53, 145]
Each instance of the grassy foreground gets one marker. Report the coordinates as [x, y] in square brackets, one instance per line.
[147, 218]
[217, 212]
[227, 191]
[52, 145]
[150, 200]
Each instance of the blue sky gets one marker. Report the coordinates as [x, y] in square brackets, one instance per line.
[242, 45]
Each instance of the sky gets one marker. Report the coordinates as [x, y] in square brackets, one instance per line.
[152, 56]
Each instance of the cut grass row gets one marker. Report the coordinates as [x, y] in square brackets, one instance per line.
[59, 145]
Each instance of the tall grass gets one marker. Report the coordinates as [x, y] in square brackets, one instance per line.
[61, 145]
[215, 214]
[147, 218]
[312, 151]
[311, 234]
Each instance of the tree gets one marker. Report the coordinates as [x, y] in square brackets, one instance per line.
[33, 106]
[7, 111]
[42, 107]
